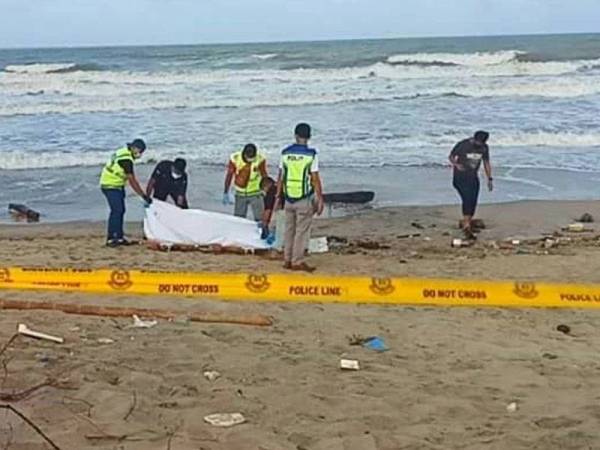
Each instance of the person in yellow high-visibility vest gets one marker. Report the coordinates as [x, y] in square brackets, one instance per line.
[246, 168]
[299, 184]
[115, 175]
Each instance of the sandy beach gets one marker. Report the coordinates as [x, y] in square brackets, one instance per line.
[444, 384]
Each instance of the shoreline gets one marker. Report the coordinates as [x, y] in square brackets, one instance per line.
[374, 243]
[345, 212]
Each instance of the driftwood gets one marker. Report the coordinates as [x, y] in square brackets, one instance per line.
[31, 424]
[108, 311]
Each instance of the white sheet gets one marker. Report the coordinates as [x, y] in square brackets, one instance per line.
[166, 223]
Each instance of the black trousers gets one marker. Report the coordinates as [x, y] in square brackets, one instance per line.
[467, 186]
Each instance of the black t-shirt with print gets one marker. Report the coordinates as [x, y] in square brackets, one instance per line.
[470, 156]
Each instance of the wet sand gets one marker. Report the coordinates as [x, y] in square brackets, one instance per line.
[445, 383]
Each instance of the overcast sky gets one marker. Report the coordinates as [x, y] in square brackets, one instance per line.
[31, 23]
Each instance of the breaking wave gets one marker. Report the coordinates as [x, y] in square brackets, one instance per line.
[412, 155]
[54, 68]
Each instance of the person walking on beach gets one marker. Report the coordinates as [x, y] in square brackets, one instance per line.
[299, 184]
[169, 179]
[246, 168]
[115, 175]
[466, 158]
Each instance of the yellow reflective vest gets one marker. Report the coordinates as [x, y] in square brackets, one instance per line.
[113, 176]
[253, 186]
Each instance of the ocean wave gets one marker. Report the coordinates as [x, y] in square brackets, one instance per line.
[456, 59]
[52, 68]
[417, 151]
[145, 98]
[265, 56]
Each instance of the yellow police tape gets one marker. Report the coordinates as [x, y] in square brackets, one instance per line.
[298, 288]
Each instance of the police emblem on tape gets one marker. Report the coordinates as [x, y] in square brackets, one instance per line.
[120, 280]
[382, 286]
[258, 283]
[5, 276]
[525, 290]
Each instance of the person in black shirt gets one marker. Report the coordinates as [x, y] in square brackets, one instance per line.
[169, 179]
[466, 158]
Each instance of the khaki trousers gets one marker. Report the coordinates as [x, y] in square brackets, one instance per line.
[298, 220]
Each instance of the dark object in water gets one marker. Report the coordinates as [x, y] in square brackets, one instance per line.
[563, 329]
[587, 218]
[358, 197]
[22, 212]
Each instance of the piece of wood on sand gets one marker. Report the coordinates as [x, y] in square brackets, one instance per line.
[109, 311]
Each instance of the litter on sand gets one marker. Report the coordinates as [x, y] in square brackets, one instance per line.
[576, 227]
[512, 407]
[458, 243]
[225, 419]
[211, 375]
[318, 245]
[375, 343]
[23, 330]
[105, 341]
[349, 364]
[139, 323]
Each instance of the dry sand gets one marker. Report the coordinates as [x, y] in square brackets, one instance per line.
[444, 384]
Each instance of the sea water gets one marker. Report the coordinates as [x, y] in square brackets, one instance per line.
[385, 115]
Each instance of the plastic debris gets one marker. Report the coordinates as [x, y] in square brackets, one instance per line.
[225, 419]
[211, 375]
[458, 243]
[565, 329]
[375, 343]
[105, 341]
[139, 323]
[349, 364]
[23, 330]
[318, 245]
[576, 227]
[512, 407]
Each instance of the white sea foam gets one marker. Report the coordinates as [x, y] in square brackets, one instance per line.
[265, 56]
[417, 151]
[67, 88]
[37, 68]
[461, 59]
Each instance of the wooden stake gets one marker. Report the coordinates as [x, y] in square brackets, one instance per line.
[109, 311]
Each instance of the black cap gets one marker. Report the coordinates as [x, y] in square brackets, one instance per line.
[249, 151]
[139, 144]
[179, 165]
[302, 130]
[482, 136]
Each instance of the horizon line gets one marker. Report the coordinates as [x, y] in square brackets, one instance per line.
[294, 41]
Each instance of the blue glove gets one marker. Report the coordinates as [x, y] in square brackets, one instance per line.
[227, 199]
[271, 238]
